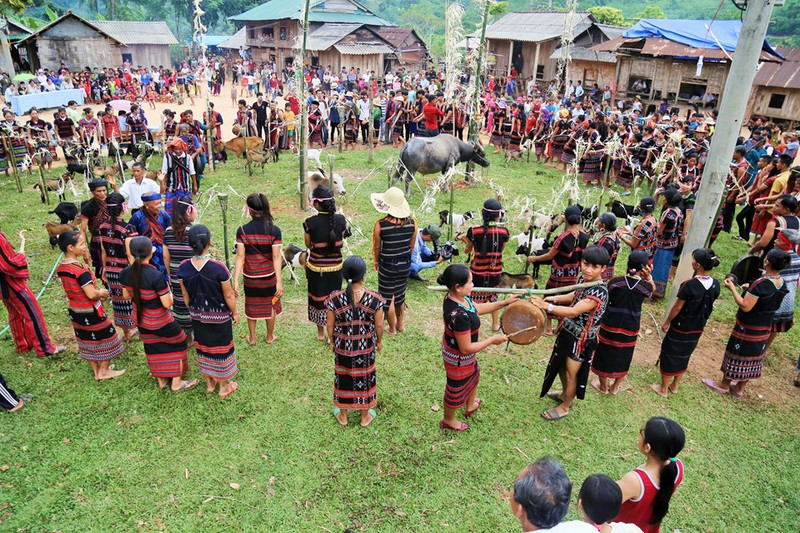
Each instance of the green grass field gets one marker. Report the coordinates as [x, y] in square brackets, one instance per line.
[122, 455]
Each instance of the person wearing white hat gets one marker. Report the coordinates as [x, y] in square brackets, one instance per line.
[393, 239]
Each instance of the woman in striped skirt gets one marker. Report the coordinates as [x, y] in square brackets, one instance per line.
[667, 240]
[619, 327]
[258, 252]
[393, 239]
[176, 250]
[542, 134]
[568, 155]
[15, 140]
[355, 327]
[786, 240]
[460, 344]
[324, 235]
[744, 354]
[500, 117]
[487, 242]
[593, 159]
[207, 290]
[686, 321]
[97, 339]
[560, 136]
[40, 134]
[113, 234]
[607, 238]
[164, 340]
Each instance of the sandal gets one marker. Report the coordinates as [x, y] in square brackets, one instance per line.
[555, 396]
[233, 385]
[710, 384]
[735, 394]
[463, 427]
[469, 413]
[336, 413]
[186, 385]
[371, 413]
[553, 414]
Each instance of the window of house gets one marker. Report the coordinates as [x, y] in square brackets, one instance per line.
[776, 101]
[539, 72]
[252, 33]
[283, 33]
[267, 33]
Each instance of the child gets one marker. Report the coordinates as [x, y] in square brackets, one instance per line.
[686, 321]
[460, 343]
[288, 118]
[97, 339]
[600, 499]
[355, 328]
[151, 97]
[619, 328]
[582, 311]
[645, 502]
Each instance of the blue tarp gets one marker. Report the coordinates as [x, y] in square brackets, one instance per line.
[693, 33]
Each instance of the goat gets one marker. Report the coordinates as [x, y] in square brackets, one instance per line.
[516, 281]
[54, 229]
[295, 258]
[458, 220]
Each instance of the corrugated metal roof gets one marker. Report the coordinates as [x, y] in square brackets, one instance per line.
[329, 34]
[215, 40]
[290, 9]
[395, 35]
[585, 54]
[136, 32]
[611, 31]
[658, 47]
[237, 41]
[20, 26]
[70, 14]
[363, 49]
[535, 26]
[781, 76]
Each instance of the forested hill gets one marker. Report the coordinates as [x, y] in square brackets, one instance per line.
[426, 16]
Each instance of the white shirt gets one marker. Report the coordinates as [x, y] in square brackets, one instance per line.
[133, 191]
[573, 526]
[579, 91]
[363, 109]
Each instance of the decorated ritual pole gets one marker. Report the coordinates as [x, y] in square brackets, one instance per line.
[200, 36]
[42, 183]
[301, 89]
[9, 148]
[453, 58]
[476, 95]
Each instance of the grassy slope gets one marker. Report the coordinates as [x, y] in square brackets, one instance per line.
[92, 456]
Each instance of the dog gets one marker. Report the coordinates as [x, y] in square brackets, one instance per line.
[66, 212]
[513, 155]
[458, 220]
[516, 281]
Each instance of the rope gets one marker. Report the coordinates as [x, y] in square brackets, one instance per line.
[46, 283]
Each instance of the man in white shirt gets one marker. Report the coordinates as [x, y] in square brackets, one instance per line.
[363, 116]
[133, 189]
[540, 499]
[579, 91]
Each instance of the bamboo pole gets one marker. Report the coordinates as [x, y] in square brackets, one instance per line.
[370, 129]
[475, 111]
[10, 151]
[543, 292]
[301, 88]
[45, 194]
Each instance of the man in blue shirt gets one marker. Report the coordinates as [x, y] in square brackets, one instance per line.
[423, 257]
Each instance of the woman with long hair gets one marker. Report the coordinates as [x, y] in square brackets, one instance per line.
[97, 338]
[607, 238]
[324, 235]
[258, 257]
[355, 328]
[668, 238]
[619, 328]
[460, 344]
[207, 291]
[176, 250]
[164, 340]
[487, 242]
[393, 240]
[647, 490]
[113, 235]
[744, 354]
[644, 236]
[686, 321]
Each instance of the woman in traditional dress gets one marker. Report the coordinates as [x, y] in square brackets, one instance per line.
[565, 254]
[487, 242]
[393, 239]
[643, 236]
[460, 344]
[686, 321]
[258, 257]
[315, 123]
[619, 329]
[560, 136]
[164, 340]
[25, 319]
[607, 238]
[15, 141]
[542, 134]
[397, 122]
[324, 234]
[207, 291]
[569, 154]
[744, 355]
[97, 338]
[498, 121]
[350, 124]
[113, 234]
[517, 127]
[40, 133]
[176, 250]
[787, 240]
[667, 240]
[355, 328]
[593, 159]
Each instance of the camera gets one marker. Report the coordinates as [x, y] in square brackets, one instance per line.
[448, 250]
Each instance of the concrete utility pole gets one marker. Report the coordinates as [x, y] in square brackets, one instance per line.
[731, 114]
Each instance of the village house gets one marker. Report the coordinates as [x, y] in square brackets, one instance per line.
[342, 33]
[680, 61]
[591, 66]
[776, 89]
[77, 42]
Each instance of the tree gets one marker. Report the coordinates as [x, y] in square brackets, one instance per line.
[608, 15]
[652, 12]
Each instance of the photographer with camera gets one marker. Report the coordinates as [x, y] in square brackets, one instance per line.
[423, 257]
[488, 242]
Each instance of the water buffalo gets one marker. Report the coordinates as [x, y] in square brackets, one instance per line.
[428, 155]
